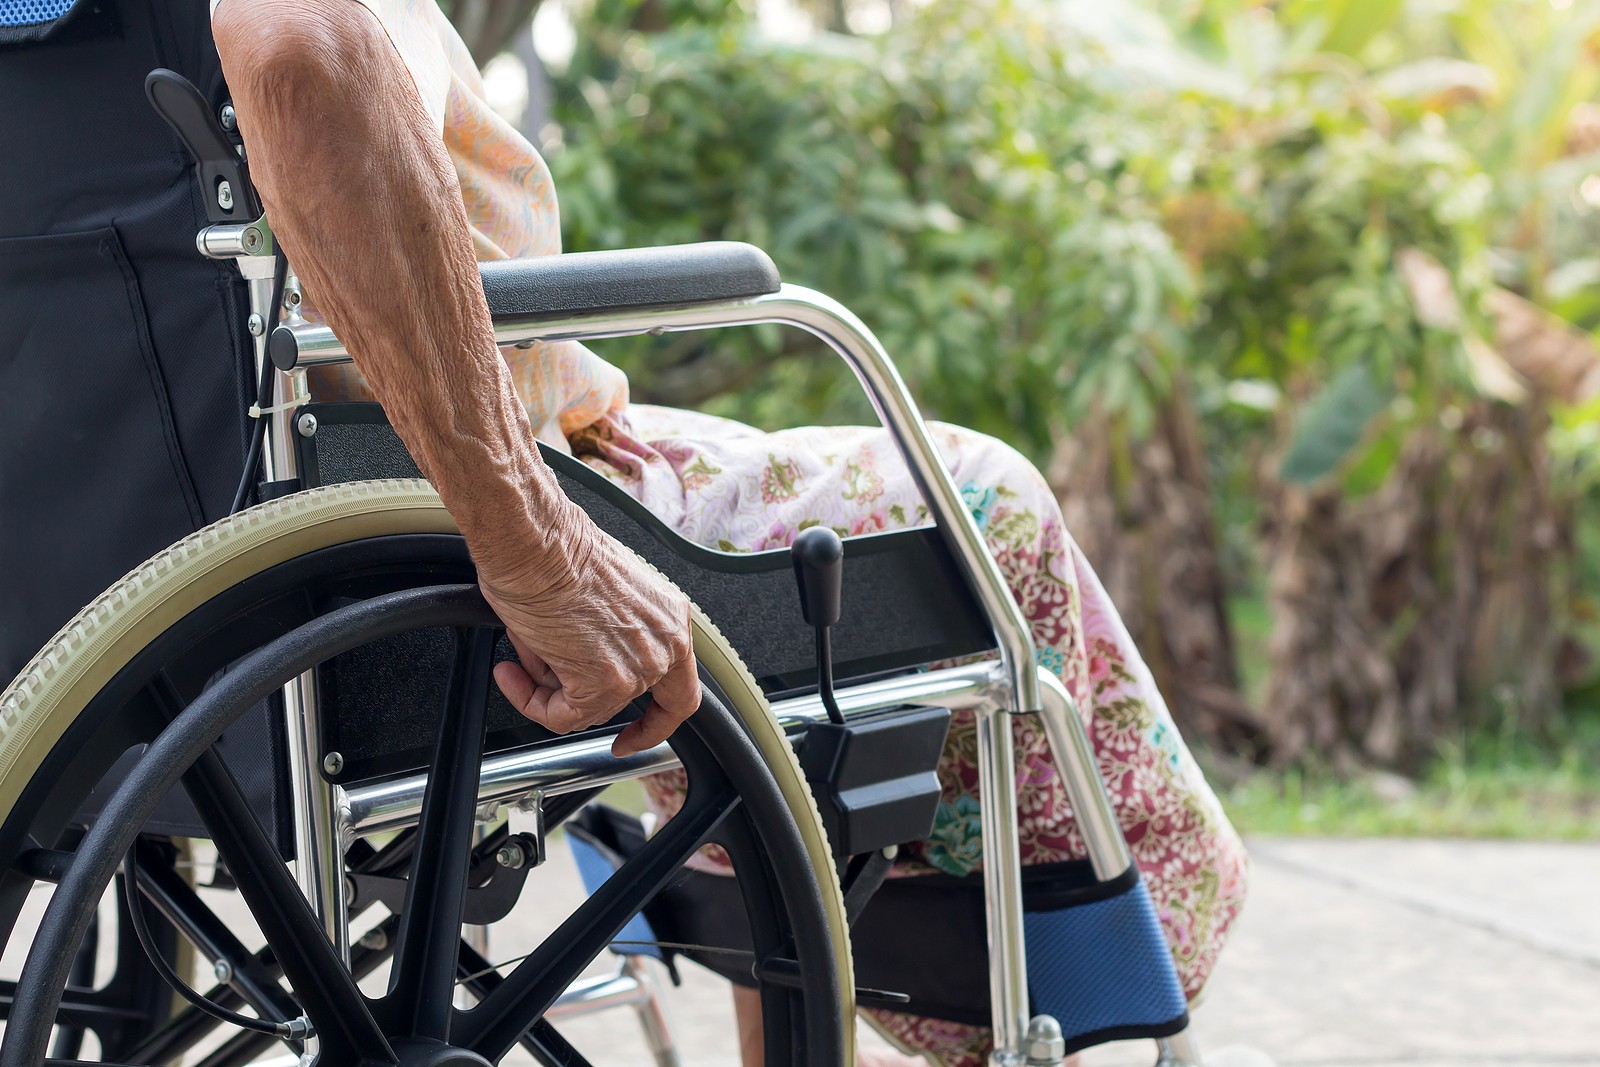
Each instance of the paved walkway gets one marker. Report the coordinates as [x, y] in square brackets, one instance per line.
[1377, 953]
[1350, 954]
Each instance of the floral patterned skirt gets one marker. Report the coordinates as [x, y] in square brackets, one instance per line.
[731, 487]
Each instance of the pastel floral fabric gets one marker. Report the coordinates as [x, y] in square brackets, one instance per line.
[729, 486]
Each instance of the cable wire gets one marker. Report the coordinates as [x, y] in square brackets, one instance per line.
[258, 432]
[293, 1030]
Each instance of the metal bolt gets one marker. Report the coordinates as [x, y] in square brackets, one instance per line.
[256, 325]
[229, 120]
[225, 195]
[333, 762]
[293, 298]
[251, 238]
[1044, 1044]
[307, 425]
[511, 855]
[224, 971]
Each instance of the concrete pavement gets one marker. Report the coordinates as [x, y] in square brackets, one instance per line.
[1374, 953]
[1387, 952]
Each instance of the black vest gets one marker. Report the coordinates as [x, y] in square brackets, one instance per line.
[124, 358]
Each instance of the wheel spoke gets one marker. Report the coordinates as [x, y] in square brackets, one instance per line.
[495, 1025]
[480, 980]
[345, 1027]
[551, 1049]
[419, 998]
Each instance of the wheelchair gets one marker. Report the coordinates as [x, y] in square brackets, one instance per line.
[308, 680]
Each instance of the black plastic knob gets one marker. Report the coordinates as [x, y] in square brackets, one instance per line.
[818, 556]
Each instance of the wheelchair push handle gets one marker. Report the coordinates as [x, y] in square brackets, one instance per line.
[224, 175]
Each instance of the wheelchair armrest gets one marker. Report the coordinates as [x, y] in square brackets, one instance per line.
[579, 282]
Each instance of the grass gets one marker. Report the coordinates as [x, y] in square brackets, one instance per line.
[1484, 787]
[1495, 785]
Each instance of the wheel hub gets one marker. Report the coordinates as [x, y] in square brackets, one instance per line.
[411, 1052]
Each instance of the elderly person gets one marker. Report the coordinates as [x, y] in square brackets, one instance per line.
[386, 175]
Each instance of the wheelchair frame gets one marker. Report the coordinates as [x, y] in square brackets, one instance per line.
[329, 816]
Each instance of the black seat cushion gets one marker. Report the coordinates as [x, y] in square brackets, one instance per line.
[550, 286]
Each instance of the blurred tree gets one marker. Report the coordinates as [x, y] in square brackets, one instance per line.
[488, 26]
[1247, 267]
[973, 195]
[1415, 546]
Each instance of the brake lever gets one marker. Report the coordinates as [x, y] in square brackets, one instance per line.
[224, 174]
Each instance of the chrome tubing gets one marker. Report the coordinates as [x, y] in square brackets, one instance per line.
[1179, 1050]
[972, 686]
[827, 319]
[587, 763]
[318, 814]
[319, 855]
[1069, 742]
[1002, 888]
[620, 990]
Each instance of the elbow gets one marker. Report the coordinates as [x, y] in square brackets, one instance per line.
[294, 57]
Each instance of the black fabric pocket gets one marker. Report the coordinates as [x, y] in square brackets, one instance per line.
[92, 480]
[32, 22]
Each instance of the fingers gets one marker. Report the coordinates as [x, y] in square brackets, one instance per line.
[516, 685]
[678, 691]
[673, 699]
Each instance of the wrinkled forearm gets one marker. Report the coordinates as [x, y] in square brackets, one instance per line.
[363, 197]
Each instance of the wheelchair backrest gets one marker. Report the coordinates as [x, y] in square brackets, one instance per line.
[124, 360]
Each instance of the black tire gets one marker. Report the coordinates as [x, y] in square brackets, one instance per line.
[215, 599]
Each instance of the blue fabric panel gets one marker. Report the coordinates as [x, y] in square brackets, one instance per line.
[595, 867]
[31, 12]
[1102, 965]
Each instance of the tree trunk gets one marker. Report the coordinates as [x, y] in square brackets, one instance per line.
[1423, 611]
[487, 26]
[1141, 512]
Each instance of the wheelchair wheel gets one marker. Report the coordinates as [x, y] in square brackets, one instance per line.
[183, 646]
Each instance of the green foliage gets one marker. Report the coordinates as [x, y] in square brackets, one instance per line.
[960, 182]
[1333, 423]
[1032, 221]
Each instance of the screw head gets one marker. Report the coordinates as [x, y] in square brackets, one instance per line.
[225, 195]
[511, 855]
[256, 325]
[229, 119]
[306, 424]
[223, 970]
[251, 238]
[333, 762]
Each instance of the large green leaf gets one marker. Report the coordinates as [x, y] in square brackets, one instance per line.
[1333, 422]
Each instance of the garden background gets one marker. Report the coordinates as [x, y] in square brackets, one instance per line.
[1295, 302]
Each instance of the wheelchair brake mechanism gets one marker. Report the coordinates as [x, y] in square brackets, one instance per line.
[873, 776]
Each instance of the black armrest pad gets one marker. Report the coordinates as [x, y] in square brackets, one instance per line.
[551, 286]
